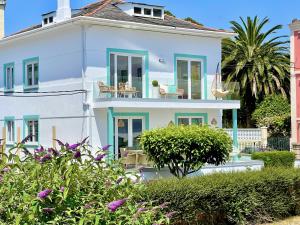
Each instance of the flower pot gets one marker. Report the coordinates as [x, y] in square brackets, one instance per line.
[155, 92]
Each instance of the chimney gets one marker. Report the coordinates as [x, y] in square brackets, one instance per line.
[64, 11]
[2, 10]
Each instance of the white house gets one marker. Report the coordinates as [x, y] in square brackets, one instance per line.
[89, 72]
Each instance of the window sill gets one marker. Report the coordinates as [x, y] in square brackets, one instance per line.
[10, 144]
[32, 145]
[9, 91]
[31, 88]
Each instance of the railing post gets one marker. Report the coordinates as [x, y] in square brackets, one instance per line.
[264, 136]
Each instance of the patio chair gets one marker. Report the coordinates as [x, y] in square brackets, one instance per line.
[103, 89]
[127, 159]
[180, 93]
[144, 161]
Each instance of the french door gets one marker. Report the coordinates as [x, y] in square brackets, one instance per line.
[127, 132]
[189, 77]
[127, 69]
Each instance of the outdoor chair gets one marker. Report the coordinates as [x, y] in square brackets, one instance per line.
[126, 158]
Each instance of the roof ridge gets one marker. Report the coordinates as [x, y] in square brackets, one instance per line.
[103, 4]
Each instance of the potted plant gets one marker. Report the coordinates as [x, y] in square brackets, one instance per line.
[155, 89]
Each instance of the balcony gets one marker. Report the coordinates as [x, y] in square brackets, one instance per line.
[165, 96]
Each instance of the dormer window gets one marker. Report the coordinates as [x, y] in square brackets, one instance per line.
[142, 10]
[48, 18]
[137, 10]
[157, 13]
[147, 12]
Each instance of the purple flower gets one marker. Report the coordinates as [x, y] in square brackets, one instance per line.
[26, 139]
[170, 214]
[77, 154]
[6, 170]
[59, 142]
[43, 194]
[84, 141]
[87, 206]
[164, 205]
[48, 210]
[113, 206]
[74, 147]
[40, 149]
[143, 209]
[106, 147]
[100, 157]
[45, 158]
[53, 151]
[62, 189]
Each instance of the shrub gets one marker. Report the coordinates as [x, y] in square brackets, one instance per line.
[185, 149]
[70, 186]
[233, 198]
[274, 112]
[275, 158]
[155, 83]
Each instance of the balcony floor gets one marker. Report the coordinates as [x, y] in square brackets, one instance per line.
[163, 103]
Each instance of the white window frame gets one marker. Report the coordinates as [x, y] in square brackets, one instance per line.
[35, 140]
[190, 60]
[11, 69]
[130, 129]
[10, 131]
[151, 8]
[130, 56]
[190, 119]
[32, 63]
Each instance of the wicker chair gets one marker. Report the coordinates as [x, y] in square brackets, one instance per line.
[180, 93]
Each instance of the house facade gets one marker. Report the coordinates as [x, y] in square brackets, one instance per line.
[89, 73]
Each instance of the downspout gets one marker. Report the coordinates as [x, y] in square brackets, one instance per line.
[85, 104]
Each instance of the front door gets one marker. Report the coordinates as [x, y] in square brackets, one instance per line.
[127, 133]
[189, 77]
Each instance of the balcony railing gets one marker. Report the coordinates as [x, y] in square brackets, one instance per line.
[170, 91]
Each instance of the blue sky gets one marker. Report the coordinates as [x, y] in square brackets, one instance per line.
[213, 13]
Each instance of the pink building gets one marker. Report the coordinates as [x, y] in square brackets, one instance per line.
[295, 80]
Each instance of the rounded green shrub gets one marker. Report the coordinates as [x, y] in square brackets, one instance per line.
[275, 158]
[185, 149]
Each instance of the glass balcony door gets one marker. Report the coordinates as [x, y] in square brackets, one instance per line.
[129, 70]
[189, 78]
[127, 133]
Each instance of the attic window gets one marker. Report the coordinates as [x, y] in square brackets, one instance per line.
[147, 12]
[157, 13]
[45, 21]
[51, 19]
[137, 10]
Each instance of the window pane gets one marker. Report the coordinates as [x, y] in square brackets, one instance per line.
[29, 75]
[36, 74]
[137, 129]
[197, 121]
[112, 70]
[122, 133]
[196, 80]
[137, 75]
[183, 121]
[182, 76]
[30, 130]
[157, 13]
[122, 69]
[147, 12]
[36, 131]
[8, 84]
[10, 131]
[137, 10]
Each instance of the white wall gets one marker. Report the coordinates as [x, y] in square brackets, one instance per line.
[159, 45]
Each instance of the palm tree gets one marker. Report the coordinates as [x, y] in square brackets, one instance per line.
[258, 61]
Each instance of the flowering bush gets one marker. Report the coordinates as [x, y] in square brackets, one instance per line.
[70, 185]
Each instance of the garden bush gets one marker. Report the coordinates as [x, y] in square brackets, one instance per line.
[275, 158]
[233, 198]
[185, 149]
[70, 186]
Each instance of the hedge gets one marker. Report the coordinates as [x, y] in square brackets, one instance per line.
[233, 198]
[275, 158]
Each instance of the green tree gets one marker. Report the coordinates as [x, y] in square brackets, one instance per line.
[274, 112]
[258, 60]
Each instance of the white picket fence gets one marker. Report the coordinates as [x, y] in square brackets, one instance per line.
[248, 138]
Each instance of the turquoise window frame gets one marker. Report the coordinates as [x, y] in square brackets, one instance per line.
[26, 87]
[189, 56]
[204, 115]
[110, 125]
[12, 64]
[6, 120]
[134, 52]
[25, 120]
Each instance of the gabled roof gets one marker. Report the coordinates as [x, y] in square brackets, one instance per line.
[107, 9]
